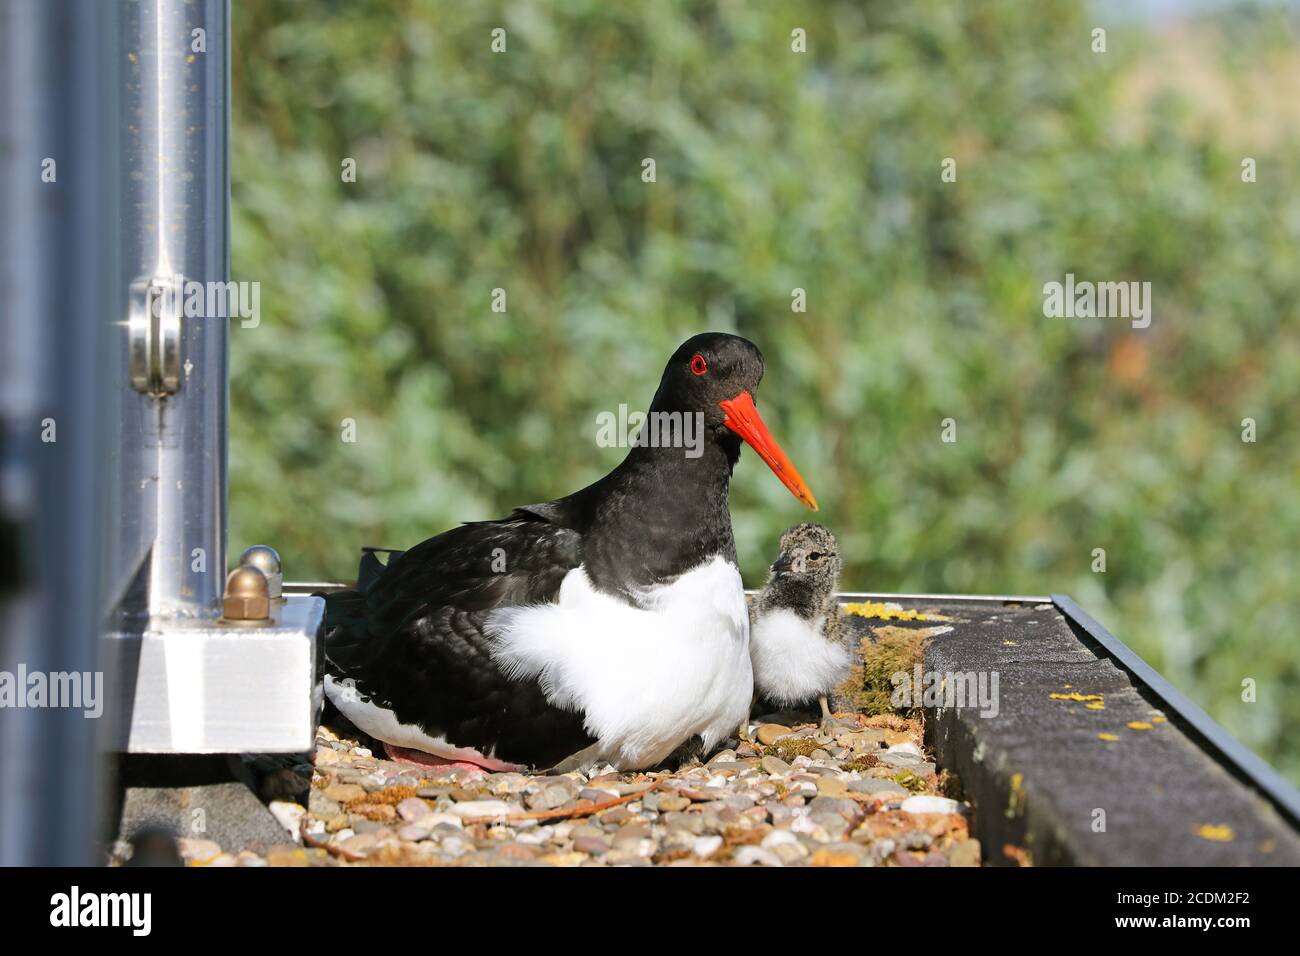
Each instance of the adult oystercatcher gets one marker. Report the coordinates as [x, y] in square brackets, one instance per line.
[606, 626]
[794, 639]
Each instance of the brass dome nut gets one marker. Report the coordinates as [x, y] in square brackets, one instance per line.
[247, 595]
[267, 560]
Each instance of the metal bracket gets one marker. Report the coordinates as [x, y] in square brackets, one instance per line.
[203, 687]
[154, 334]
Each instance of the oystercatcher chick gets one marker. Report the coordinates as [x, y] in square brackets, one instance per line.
[605, 626]
[794, 642]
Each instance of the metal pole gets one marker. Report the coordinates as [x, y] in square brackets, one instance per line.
[58, 292]
[190, 681]
[170, 374]
[114, 186]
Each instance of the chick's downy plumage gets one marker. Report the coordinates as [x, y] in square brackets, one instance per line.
[795, 644]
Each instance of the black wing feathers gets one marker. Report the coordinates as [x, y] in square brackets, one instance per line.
[413, 639]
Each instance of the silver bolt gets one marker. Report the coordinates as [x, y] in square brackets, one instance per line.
[267, 560]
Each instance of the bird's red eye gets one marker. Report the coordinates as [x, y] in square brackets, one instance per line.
[698, 365]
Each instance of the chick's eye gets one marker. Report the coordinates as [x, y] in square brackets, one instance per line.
[814, 555]
[698, 365]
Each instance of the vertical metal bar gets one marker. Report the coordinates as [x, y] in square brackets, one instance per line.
[131, 105]
[58, 292]
[169, 559]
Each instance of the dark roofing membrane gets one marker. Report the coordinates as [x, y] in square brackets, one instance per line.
[1048, 787]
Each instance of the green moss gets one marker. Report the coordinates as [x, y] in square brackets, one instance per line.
[910, 781]
[790, 747]
[861, 762]
[869, 687]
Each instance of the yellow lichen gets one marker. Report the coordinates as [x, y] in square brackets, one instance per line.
[1138, 725]
[1215, 832]
[890, 612]
[1096, 705]
[1075, 695]
[1016, 799]
[1107, 737]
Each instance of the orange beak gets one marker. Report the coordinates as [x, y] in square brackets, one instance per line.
[743, 419]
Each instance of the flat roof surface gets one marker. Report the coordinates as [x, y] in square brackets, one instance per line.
[1084, 761]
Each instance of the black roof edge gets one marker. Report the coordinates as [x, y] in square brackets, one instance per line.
[1231, 751]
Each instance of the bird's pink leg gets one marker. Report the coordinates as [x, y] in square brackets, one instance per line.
[418, 758]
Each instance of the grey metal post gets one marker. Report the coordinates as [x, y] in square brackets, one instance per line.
[59, 292]
[191, 681]
[171, 376]
[120, 518]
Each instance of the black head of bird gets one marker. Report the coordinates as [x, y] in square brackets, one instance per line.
[716, 374]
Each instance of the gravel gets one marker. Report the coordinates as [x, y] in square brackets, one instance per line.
[791, 796]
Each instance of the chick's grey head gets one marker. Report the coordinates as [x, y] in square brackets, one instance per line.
[806, 573]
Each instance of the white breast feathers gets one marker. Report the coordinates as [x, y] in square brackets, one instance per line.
[647, 678]
[793, 662]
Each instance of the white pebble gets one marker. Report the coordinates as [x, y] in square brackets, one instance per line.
[779, 838]
[805, 824]
[905, 748]
[193, 848]
[535, 837]
[747, 855]
[644, 847]
[706, 846]
[484, 808]
[929, 804]
[290, 816]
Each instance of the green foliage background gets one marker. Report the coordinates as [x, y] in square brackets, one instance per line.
[776, 171]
